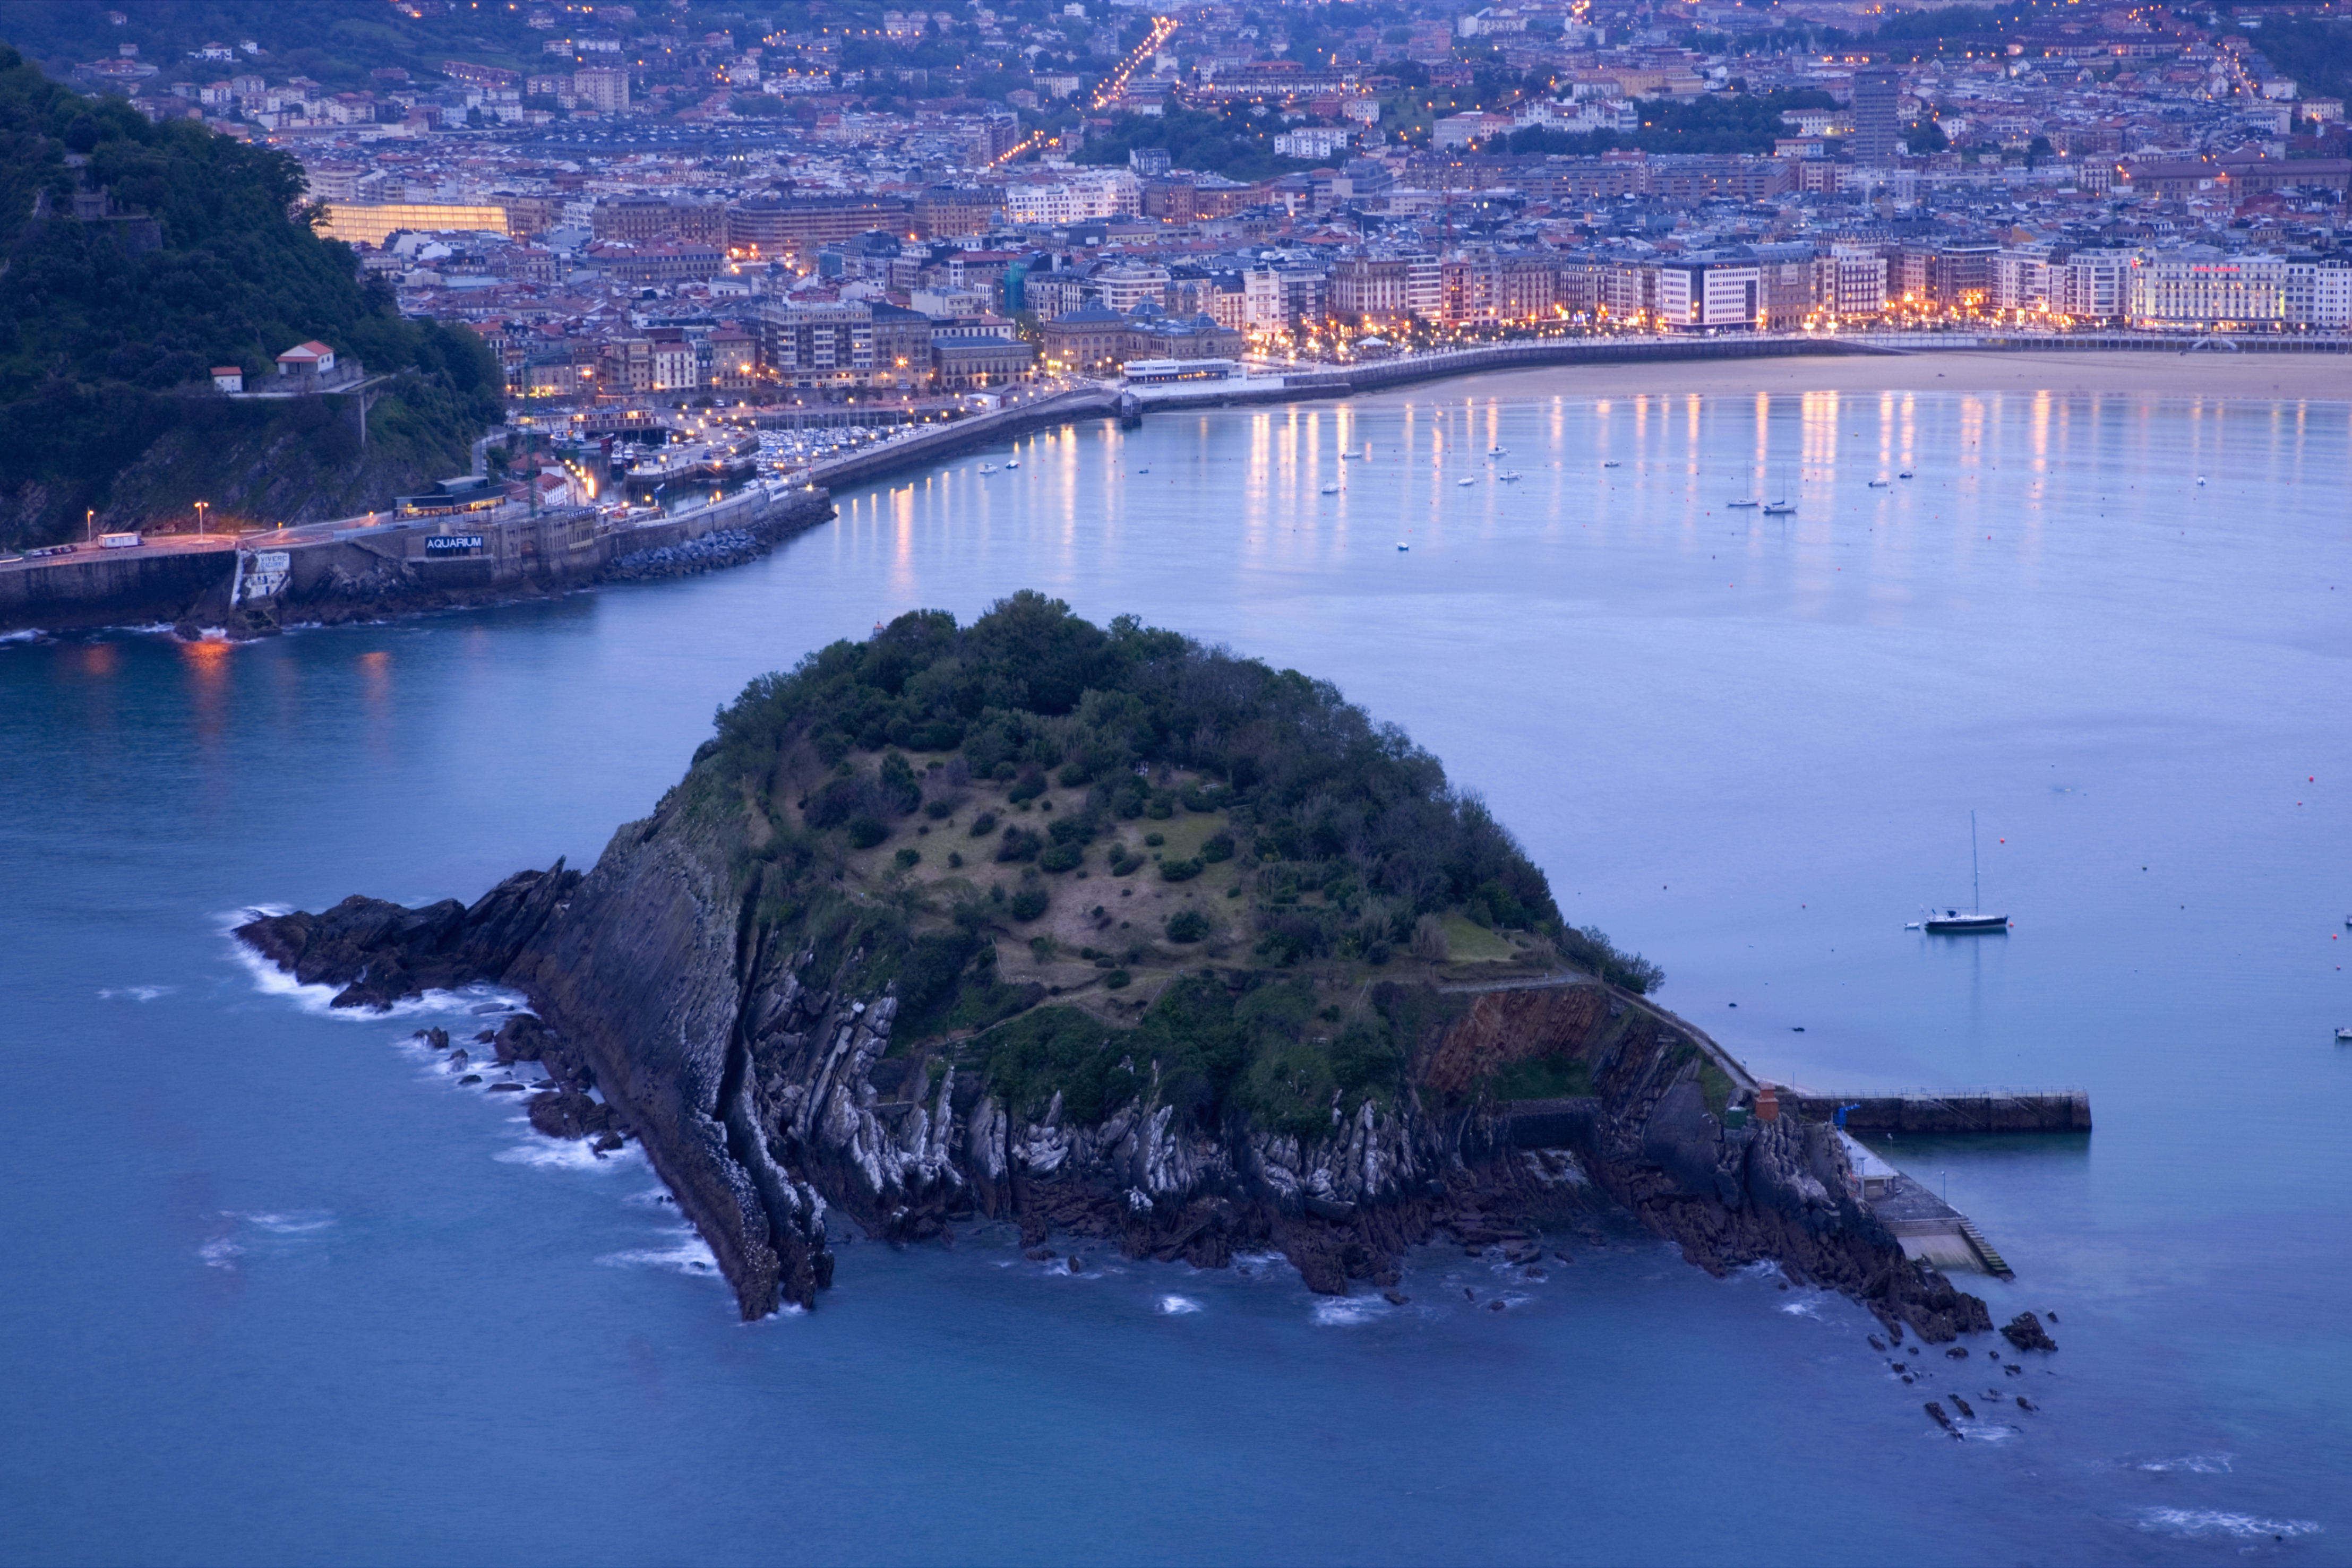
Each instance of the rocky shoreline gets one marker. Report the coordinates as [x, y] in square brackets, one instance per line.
[768, 1090]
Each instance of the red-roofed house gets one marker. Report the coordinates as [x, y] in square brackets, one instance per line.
[312, 359]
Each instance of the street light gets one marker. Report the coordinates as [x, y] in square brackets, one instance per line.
[200, 517]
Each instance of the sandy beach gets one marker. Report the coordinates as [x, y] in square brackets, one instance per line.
[2208, 374]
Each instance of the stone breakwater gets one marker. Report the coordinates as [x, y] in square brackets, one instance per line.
[712, 552]
[330, 576]
[769, 1090]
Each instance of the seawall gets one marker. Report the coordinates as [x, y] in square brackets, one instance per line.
[1953, 1111]
[329, 573]
[111, 587]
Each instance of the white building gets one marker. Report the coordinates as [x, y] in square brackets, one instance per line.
[1113, 194]
[1705, 295]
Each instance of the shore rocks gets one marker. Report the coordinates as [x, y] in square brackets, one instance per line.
[569, 1113]
[712, 552]
[768, 1090]
[2026, 1333]
[380, 952]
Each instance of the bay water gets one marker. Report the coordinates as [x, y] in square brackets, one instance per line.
[274, 1290]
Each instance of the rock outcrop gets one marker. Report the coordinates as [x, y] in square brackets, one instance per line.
[768, 1090]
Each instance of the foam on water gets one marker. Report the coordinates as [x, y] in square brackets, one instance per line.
[134, 993]
[1347, 1311]
[1177, 1306]
[2193, 1464]
[2210, 1523]
[244, 1233]
[567, 1154]
[689, 1255]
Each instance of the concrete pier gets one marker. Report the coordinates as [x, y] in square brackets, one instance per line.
[1951, 1110]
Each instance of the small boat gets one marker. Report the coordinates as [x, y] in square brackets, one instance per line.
[988, 467]
[1736, 505]
[1508, 477]
[1972, 922]
[1466, 481]
[1609, 465]
[1498, 451]
[1331, 490]
[2343, 1036]
[1402, 546]
[1905, 475]
[1143, 470]
[1780, 510]
[1955, 923]
[1878, 484]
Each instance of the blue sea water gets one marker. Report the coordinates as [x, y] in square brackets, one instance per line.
[277, 1291]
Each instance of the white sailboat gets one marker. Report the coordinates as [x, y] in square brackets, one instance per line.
[1972, 922]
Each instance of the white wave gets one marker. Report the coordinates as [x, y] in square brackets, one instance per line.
[1987, 1431]
[134, 993]
[566, 1155]
[1177, 1306]
[2193, 1464]
[221, 1254]
[2204, 1523]
[30, 634]
[652, 1197]
[1803, 1307]
[1347, 1311]
[299, 1224]
[689, 1255]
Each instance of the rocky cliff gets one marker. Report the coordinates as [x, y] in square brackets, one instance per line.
[1240, 972]
[767, 1089]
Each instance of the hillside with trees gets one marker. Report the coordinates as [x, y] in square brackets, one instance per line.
[1060, 841]
[186, 250]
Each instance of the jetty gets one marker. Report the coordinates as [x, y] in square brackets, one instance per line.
[1924, 1225]
[1924, 1111]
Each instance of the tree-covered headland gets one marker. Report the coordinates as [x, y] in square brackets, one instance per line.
[1077, 849]
[200, 253]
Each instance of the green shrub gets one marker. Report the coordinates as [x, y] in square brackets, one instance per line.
[909, 858]
[936, 810]
[1187, 925]
[955, 860]
[1118, 980]
[865, 833]
[1061, 857]
[1030, 784]
[1026, 905]
[1160, 807]
[1179, 871]
[1218, 847]
[1020, 844]
[1153, 840]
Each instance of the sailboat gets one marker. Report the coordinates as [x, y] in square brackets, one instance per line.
[1956, 923]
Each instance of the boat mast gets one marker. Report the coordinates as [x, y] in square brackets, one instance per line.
[1976, 882]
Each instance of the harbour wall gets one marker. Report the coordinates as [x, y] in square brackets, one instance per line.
[1953, 1111]
[111, 587]
[327, 573]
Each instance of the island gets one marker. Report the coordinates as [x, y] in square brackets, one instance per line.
[1099, 930]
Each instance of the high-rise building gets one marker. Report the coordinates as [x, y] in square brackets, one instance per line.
[605, 87]
[1875, 93]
